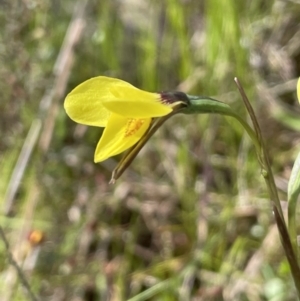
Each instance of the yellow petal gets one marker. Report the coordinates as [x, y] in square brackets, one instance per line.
[298, 89]
[129, 101]
[84, 103]
[120, 134]
[91, 102]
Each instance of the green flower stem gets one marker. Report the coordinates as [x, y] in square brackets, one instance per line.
[200, 105]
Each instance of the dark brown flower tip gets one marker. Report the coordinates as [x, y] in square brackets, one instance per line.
[172, 97]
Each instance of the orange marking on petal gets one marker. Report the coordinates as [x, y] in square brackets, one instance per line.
[133, 125]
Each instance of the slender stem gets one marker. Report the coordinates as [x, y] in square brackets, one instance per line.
[270, 182]
[20, 273]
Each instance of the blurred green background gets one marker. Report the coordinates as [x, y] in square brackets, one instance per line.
[190, 219]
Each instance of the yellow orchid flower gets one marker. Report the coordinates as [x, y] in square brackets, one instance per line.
[298, 89]
[131, 116]
[125, 111]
